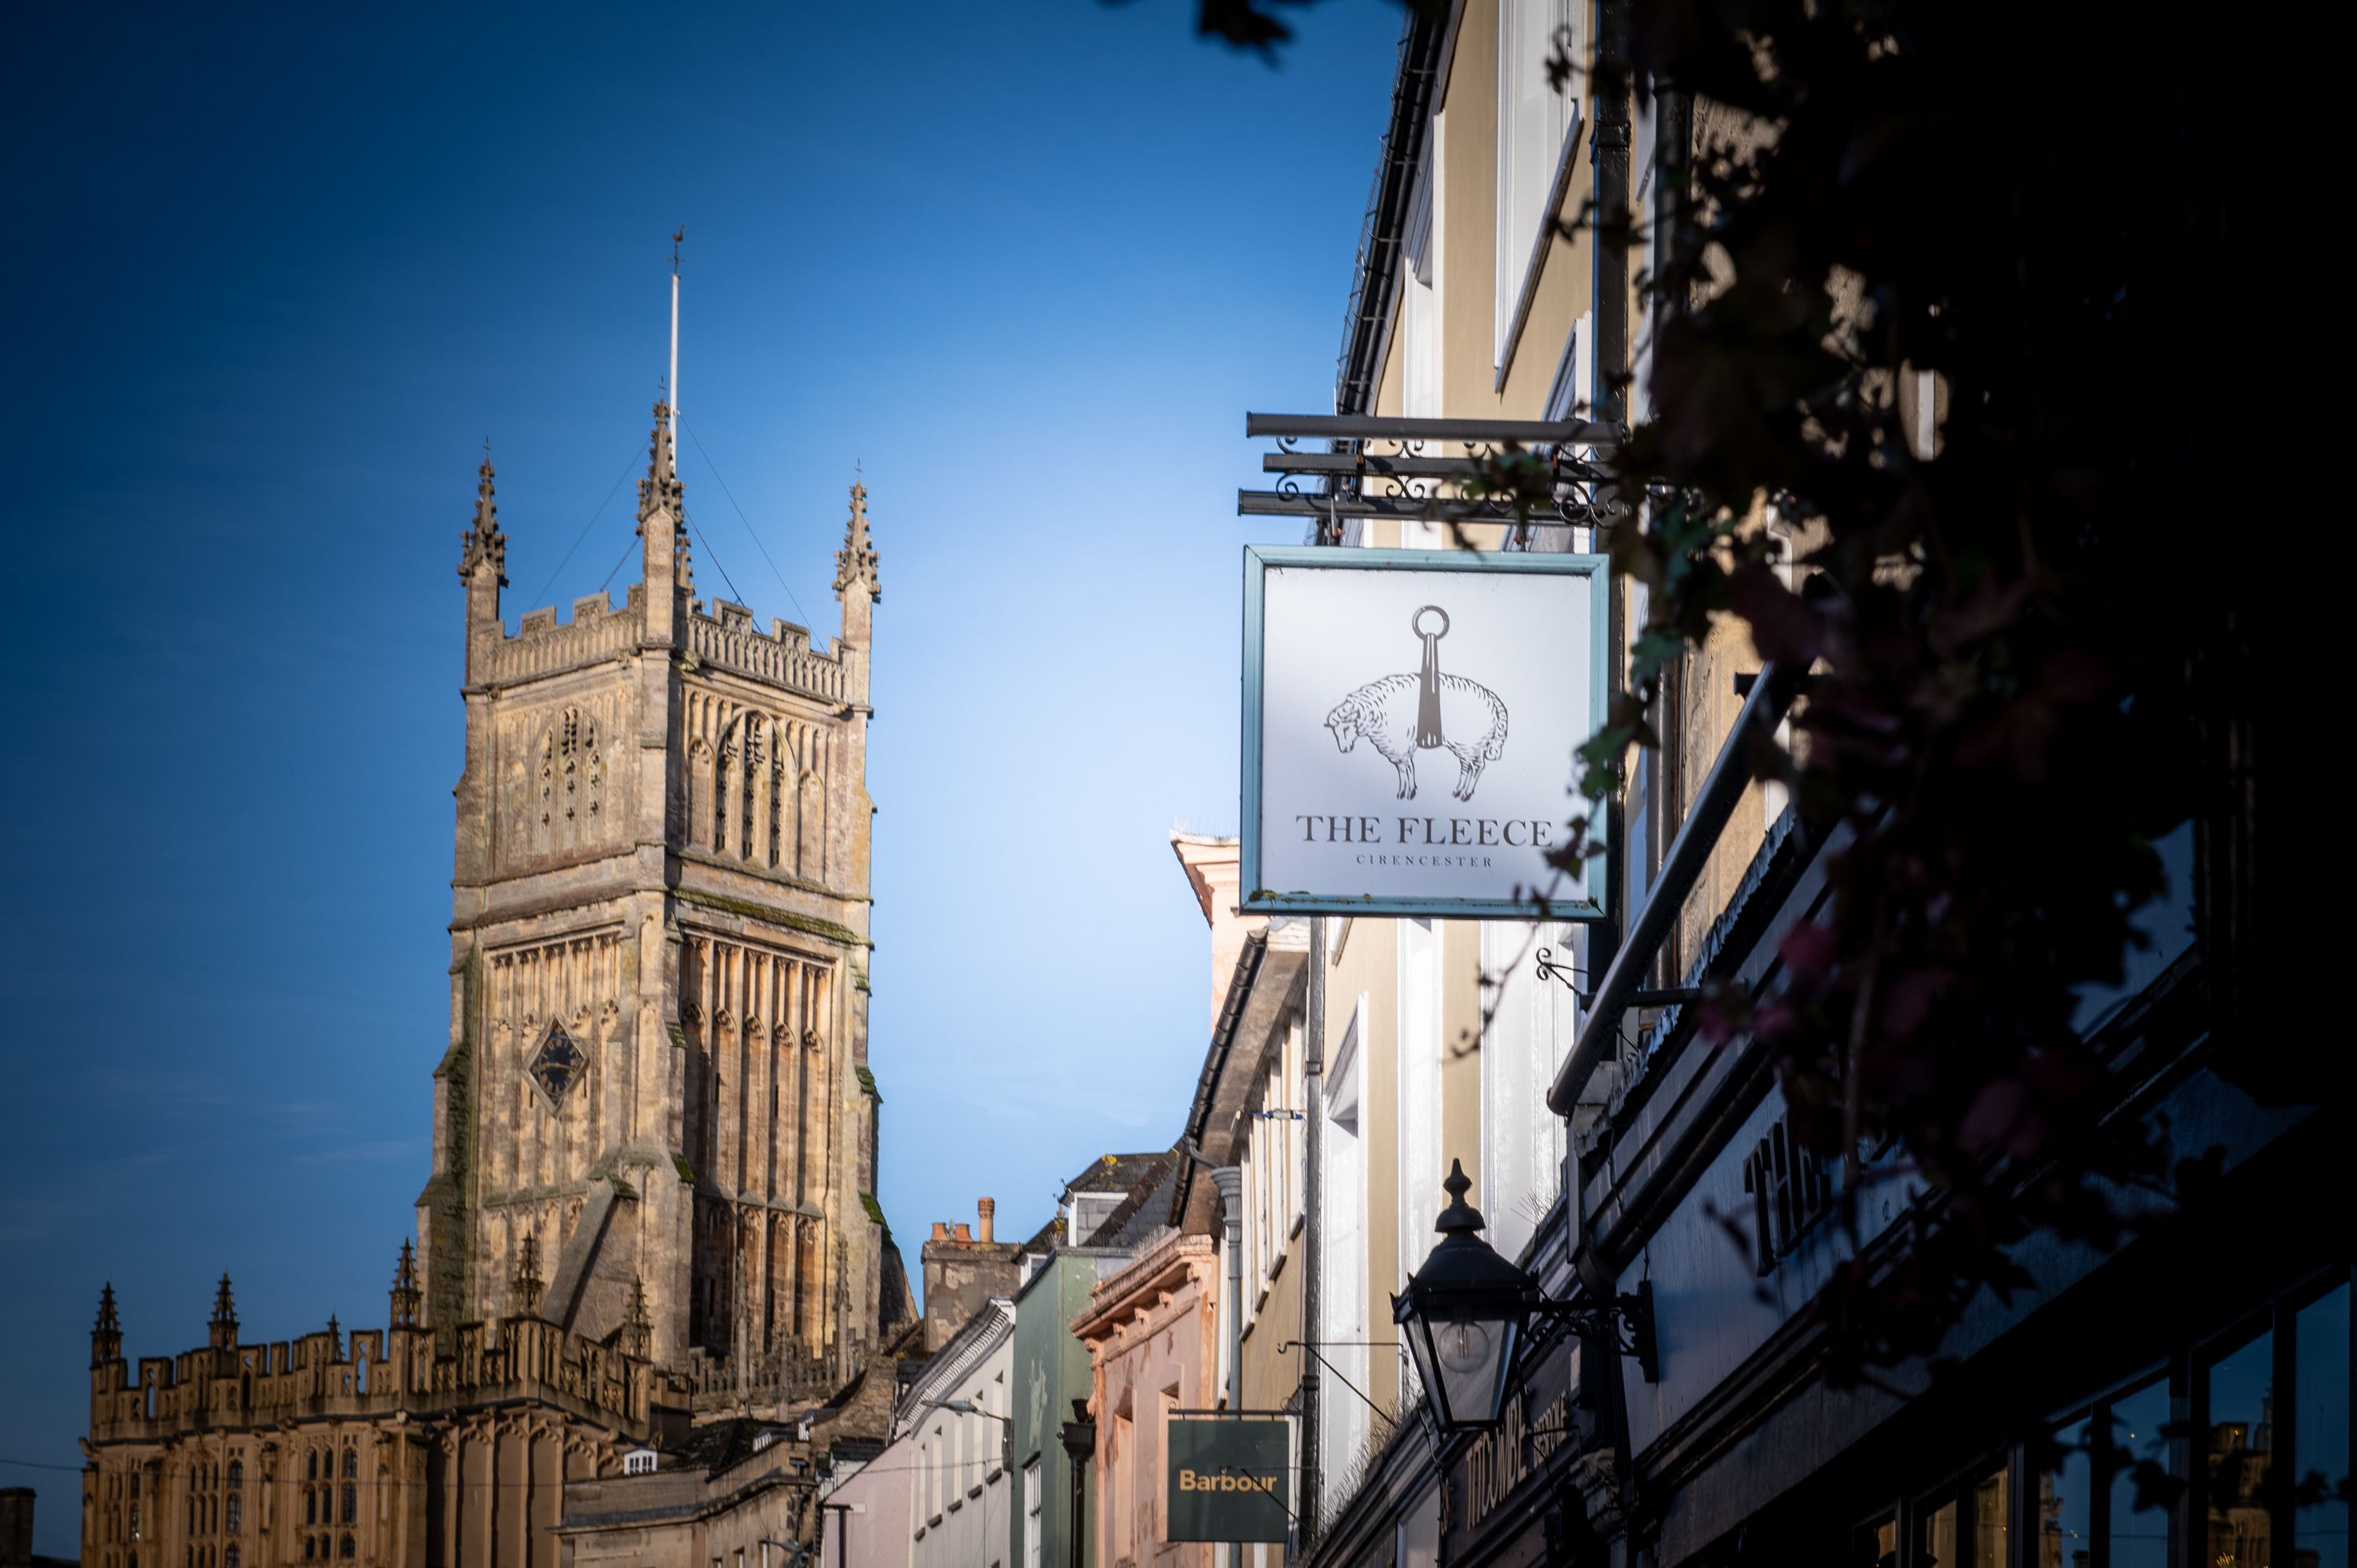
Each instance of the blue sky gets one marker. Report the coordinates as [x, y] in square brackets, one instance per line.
[275, 279]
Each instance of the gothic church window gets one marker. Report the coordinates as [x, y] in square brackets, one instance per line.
[748, 803]
[346, 1549]
[351, 1463]
[351, 1503]
[729, 787]
[571, 782]
[701, 823]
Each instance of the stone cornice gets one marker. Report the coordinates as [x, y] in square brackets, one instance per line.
[1148, 1284]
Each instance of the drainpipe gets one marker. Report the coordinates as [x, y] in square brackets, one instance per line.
[1607, 153]
[1080, 1440]
[1313, 1186]
[1230, 1180]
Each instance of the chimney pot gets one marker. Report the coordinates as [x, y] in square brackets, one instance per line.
[988, 1209]
[962, 1233]
[941, 1231]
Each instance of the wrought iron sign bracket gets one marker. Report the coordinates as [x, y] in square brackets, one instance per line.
[1416, 479]
[1551, 968]
[1625, 1324]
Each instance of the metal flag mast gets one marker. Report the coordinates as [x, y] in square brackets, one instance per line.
[679, 234]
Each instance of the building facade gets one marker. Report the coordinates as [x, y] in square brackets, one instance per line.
[956, 1413]
[654, 1136]
[1151, 1331]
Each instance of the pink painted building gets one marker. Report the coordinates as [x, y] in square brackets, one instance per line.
[1152, 1336]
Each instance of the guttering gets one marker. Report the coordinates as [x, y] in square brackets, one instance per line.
[1215, 1061]
[1681, 868]
[1376, 288]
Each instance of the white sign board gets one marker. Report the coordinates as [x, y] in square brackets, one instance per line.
[1410, 720]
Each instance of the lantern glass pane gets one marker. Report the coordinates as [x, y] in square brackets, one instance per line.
[1471, 1351]
[1416, 1332]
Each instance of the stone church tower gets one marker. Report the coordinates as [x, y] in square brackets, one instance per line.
[654, 1130]
[657, 1084]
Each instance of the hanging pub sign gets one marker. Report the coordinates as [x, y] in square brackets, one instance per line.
[1229, 1477]
[1410, 720]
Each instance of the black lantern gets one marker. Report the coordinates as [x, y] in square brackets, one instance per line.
[1463, 1316]
[1466, 1312]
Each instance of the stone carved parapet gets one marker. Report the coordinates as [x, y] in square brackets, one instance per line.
[711, 1382]
[415, 1371]
[783, 657]
[542, 646]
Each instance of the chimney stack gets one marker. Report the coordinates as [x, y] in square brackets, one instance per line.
[964, 1271]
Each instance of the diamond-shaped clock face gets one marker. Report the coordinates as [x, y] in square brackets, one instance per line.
[558, 1064]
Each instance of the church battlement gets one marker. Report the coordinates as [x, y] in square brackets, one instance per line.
[780, 656]
[410, 1369]
[542, 645]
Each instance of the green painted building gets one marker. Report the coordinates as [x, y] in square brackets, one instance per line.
[1119, 1203]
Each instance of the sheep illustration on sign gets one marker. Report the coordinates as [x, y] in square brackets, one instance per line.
[1403, 714]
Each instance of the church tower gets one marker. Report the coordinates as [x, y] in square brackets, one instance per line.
[656, 1101]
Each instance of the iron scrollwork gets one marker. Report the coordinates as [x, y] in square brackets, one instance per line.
[1624, 1324]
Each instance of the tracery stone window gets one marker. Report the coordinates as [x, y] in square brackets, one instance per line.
[571, 782]
[346, 1548]
[743, 798]
[351, 1503]
[351, 1463]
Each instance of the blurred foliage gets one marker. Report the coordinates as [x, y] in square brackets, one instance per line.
[2026, 649]
[2035, 648]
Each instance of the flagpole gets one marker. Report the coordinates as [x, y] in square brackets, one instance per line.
[675, 238]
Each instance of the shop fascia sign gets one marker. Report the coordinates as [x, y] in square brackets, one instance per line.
[1490, 1472]
[1230, 1476]
[1410, 720]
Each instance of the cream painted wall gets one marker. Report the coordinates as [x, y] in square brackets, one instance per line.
[1365, 973]
[1460, 1055]
[1365, 964]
